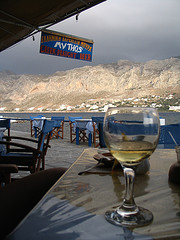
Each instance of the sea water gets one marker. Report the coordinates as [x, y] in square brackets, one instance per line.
[170, 117]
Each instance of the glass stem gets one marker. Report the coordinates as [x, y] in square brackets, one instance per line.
[128, 202]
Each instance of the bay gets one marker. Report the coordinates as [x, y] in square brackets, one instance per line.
[170, 117]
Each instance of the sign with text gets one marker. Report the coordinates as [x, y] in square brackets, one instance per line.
[64, 45]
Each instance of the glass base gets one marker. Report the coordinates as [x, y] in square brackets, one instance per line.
[138, 218]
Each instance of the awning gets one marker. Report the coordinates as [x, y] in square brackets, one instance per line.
[20, 19]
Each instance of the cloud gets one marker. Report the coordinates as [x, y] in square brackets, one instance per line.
[137, 30]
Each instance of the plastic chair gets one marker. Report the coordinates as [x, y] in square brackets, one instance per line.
[35, 131]
[96, 121]
[72, 129]
[26, 157]
[58, 130]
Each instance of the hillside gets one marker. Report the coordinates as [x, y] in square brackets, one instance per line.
[89, 86]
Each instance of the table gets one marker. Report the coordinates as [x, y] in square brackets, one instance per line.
[74, 208]
[83, 124]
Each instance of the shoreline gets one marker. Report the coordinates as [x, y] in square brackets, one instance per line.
[72, 111]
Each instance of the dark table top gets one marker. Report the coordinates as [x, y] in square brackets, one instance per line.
[74, 208]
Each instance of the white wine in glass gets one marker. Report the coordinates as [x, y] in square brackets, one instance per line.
[131, 134]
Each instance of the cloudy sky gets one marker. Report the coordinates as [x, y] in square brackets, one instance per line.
[137, 30]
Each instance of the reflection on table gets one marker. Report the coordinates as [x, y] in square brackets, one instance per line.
[74, 208]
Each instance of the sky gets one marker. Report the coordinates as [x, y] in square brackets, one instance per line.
[134, 30]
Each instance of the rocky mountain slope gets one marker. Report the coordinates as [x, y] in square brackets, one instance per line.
[117, 81]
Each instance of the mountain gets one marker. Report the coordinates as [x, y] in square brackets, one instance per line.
[90, 85]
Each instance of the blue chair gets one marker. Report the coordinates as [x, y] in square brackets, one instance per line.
[6, 123]
[26, 157]
[58, 130]
[72, 130]
[35, 131]
[169, 134]
[95, 122]
[6, 169]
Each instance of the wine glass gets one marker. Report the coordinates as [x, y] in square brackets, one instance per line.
[131, 134]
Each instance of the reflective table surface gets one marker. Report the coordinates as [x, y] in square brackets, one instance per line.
[74, 208]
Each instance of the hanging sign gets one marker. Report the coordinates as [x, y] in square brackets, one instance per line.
[64, 45]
